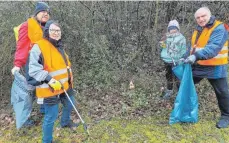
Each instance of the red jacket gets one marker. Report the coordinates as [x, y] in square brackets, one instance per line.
[23, 46]
[29, 33]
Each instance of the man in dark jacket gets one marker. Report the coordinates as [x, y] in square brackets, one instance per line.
[209, 56]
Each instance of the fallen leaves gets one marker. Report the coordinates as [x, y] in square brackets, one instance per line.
[6, 119]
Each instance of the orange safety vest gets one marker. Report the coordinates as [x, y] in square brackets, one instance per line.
[221, 58]
[35, 32]
[57, 68]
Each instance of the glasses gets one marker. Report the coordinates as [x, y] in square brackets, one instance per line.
[54, 31]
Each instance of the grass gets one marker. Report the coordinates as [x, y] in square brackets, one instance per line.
[116, 130]
[108, 124]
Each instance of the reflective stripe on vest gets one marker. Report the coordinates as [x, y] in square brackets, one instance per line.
[55, 65]
[221, 58]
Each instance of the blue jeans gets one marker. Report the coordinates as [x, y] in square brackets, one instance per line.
[42, 109]
[51, 114]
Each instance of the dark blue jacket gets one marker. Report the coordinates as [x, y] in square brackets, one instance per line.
[217, 39]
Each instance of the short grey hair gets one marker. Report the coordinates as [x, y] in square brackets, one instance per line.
[203, 8]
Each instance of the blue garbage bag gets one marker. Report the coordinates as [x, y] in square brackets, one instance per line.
[22, 95]
[186, 103]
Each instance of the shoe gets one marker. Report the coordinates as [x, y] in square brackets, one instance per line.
[70, 125]
[223, 123]
[167, 94]
[28, 123]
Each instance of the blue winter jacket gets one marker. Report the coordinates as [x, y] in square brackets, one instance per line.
[175, 48]
[217, 39]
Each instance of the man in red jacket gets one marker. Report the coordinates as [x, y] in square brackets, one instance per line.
[29, 32]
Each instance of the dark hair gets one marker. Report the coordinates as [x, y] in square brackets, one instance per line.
[57, 24]
[47, 25]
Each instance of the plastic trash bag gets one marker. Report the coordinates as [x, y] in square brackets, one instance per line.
[186, 103]
[22, 95]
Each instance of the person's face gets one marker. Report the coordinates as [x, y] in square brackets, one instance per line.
[202, 17]
[173, 31]
[43, 16]
[54, 32]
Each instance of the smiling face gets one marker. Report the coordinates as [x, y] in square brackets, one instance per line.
[54, 32]
[43, 16]
[202, 16]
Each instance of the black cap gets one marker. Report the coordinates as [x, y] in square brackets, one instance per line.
[41, 6]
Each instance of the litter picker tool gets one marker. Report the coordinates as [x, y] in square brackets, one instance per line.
[84, 124]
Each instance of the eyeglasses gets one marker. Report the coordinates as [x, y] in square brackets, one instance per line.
[54, 31]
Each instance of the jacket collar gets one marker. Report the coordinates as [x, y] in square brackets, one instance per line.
[208, 25]
[55, 43]
[173, 35]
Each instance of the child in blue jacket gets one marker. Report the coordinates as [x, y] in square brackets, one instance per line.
[173, 49]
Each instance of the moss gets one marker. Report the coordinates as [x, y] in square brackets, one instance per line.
[150, 130]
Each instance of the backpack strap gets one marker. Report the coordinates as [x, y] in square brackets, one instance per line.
[16, 31]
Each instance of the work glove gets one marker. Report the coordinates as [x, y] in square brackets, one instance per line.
[54, 84]
[182, 60]
[14, 69]
[190, 60]
[162, 44]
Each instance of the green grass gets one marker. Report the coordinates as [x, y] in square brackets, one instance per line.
[116, 130]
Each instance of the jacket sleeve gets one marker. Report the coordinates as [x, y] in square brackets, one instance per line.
[188, 49]
[217, 39]
[35, 73]
[22, 47]
[183, 47]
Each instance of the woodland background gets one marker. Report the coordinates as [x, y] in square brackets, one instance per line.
[111, 43]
